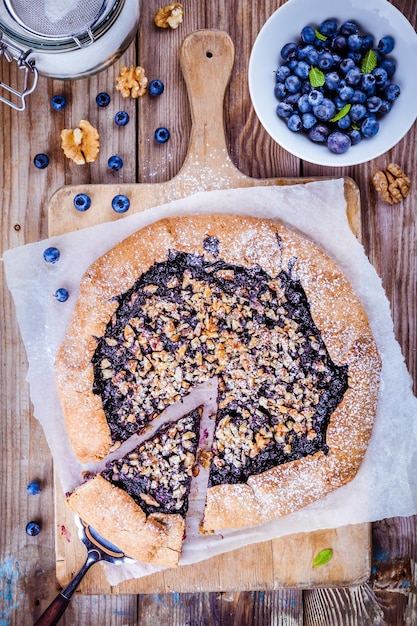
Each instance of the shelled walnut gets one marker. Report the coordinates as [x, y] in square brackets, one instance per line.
[169, 16]
[392, 183]
[81, 144]
[132, 82]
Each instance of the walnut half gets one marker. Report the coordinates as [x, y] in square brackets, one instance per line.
[169, 16]
[132, 82]
[392, 183]
[81, 144]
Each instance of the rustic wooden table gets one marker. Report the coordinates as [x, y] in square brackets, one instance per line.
[27, 565]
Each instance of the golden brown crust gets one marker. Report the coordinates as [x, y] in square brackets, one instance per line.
[155, 539]
[335, 309]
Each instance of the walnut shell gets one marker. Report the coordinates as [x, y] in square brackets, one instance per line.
[81, 144]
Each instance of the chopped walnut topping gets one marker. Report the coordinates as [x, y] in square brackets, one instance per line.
[81, 144]
[392, 183]
[169, 16]
[132, 81]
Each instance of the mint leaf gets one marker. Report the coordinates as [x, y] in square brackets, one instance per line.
[369, 62]
[355, 126]
[320, 36]
[341, 113]
[316, 77]
[322, 557]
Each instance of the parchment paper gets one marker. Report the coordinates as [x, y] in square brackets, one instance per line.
[386, 484]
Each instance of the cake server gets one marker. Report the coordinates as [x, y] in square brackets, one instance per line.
[98, 549]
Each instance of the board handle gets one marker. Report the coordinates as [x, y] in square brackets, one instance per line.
[206, 59]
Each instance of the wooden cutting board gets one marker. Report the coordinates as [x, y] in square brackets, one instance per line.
[285, 562]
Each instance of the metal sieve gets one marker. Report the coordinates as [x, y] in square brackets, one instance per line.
[63, 39]
[57, 19]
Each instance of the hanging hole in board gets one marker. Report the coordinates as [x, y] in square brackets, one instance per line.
[209, 54]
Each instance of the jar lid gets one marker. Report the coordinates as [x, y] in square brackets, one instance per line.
[57, 23]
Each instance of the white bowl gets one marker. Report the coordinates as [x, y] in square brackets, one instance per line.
[377, 17]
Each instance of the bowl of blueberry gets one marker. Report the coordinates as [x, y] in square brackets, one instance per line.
[330, 80]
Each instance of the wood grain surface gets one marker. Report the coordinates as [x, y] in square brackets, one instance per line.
[27, 566]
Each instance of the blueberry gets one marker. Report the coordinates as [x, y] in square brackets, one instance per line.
[338, 142]
[308, 34]
[392, 92]
[370, 127]
[61, 294]
[386, 44]
[161, 134]
[58, 102]
[33, 488]
[315, 97]
[319, 133]
[82, 202]
[156, 87]
[345, 92]
[121, 118]
[389, 66]
[280, 91]
[367, 42]
[293, 98]
[33, 529]
[284, 110]
[282, 73]
[308, 120]
[355, 135]
[303, 104]
[328, 28]
[332, 80]
[325, 61]
[374, 104]
[345, 122]
[120, 203]
[358, 96]
[354, 42]
[353, 76]
[347, 64]
[41, 161]
[355, 56]
[293, 84]
[115, 162]
[348, 28]
[51, 255]
[339, 43]
[103, 99]
[368, 82]
[325, 110]
[294, 123]
[381, 77]
[302, 70]
[357, 112]
[385, 107]
[289, 51]
[311, 55]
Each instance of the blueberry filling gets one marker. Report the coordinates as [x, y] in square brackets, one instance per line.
[188, 319]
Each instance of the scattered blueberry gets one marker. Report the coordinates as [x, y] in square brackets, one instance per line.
[58, 102]
[41, 161]
[161, 134]
[120, 203]
[121, 118]
[61, 294]
[103, 99]
[82, 202]
[33, 488]
[51, 255]
[115, 162]
[156, 87]
[329, 87]
[33, 529]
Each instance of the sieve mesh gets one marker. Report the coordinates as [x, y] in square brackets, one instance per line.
[56, 18]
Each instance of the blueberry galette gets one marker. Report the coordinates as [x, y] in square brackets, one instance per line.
[241, 300]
